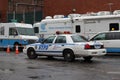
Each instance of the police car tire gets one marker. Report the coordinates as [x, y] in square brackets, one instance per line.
[87, 58]
[31, 54]
[68, 55]
[50, 57]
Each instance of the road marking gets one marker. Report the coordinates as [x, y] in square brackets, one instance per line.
[113, 72]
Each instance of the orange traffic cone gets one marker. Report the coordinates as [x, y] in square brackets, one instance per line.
[17, 51]
[8, 49]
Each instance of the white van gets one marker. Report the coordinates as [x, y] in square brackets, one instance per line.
[110, 39]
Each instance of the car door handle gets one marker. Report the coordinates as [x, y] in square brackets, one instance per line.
[62, 45]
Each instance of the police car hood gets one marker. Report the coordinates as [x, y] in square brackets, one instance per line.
[35, 44]
[29, 37]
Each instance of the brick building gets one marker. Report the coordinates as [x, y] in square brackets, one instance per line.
[32, 11]
[3, 10]
[79, 6]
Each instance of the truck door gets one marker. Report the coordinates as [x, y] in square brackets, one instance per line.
[2, 34]
[13, 36]
[13, 32]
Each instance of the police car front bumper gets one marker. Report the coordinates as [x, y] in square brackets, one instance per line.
[25, 51]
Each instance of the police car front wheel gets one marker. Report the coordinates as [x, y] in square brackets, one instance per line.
[31, 54]
[68, 55]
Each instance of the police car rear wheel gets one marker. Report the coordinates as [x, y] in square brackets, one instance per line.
[31, 54]
[50, 57]
[69, 55]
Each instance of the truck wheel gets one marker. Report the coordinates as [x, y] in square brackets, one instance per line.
[88, 58]
[31, 54]
[69, 55]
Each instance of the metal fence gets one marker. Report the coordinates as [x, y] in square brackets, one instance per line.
[28, 17]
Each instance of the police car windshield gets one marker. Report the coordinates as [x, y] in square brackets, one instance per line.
[78, 38]
[25, 31]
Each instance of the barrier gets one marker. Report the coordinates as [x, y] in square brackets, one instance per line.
[16, 50]
[8, 49]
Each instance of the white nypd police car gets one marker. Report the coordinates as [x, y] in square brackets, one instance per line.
[68, 46]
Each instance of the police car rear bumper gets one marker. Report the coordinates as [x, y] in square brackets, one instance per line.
[95, 52]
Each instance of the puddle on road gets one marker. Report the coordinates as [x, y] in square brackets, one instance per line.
[7, 70]
[33, 68]
[40, 77]
[34, 77]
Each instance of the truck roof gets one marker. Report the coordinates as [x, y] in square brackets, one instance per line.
[16, 25]
[78, 18]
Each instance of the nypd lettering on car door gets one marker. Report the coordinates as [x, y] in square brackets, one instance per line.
[41, 47]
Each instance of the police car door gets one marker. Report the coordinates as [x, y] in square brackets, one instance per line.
[59, 45]
[46, 46]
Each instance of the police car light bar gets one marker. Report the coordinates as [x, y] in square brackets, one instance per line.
[65, 32]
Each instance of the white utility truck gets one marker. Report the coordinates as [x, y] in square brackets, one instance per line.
[84, 24]
[12, 34]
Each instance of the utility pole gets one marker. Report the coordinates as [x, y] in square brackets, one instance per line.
[110, 7]
[34, 11]
[14, 9]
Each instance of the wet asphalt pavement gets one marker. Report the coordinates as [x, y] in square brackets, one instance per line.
[19, 67]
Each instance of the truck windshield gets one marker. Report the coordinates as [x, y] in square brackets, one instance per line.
[25, 31]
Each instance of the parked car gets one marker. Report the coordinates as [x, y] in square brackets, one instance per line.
[110, 39]
[68, 46]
